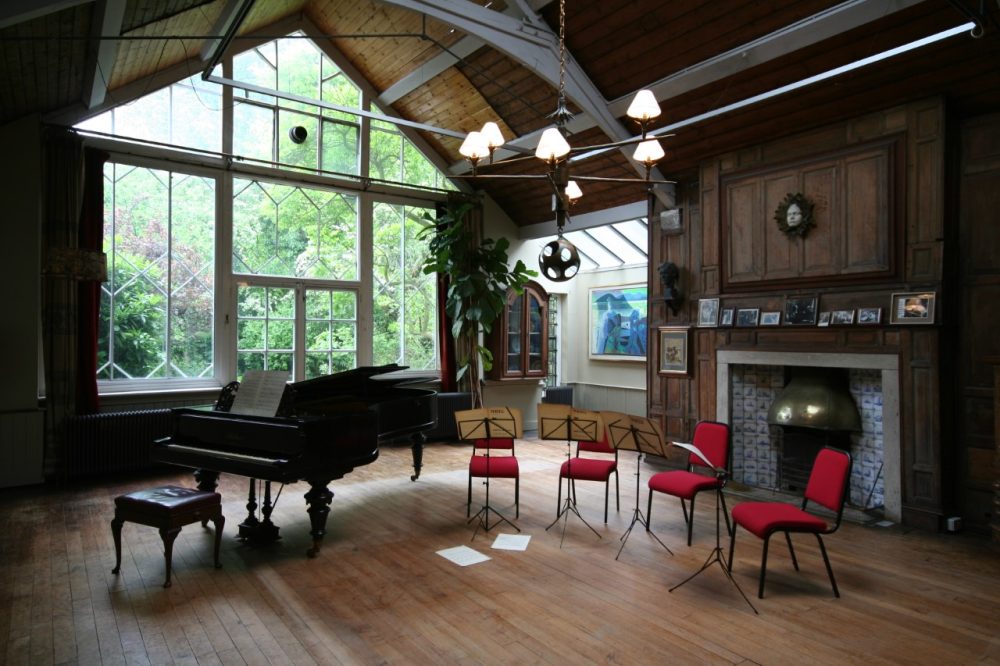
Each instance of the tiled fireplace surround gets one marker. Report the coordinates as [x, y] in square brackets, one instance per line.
[747, 383]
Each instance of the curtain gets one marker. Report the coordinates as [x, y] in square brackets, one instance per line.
[62, 168]
[90, 237]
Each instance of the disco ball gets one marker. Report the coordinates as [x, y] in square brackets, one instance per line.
[559, 260]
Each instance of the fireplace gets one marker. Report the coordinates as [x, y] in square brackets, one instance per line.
[748, 383]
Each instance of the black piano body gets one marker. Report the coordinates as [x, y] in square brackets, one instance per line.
[326, 427]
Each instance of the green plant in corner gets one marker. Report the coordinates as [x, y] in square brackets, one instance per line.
[479, 277]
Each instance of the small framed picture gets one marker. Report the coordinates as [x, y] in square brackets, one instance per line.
[800, 311]
[747, 317]
[869, 315]
[770, 318]
[912, 308]
[727, 317]
[824, 319]
[708, 312]
[842, 317]
[675, 350]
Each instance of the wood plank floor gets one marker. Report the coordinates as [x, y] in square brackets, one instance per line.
[379, 593]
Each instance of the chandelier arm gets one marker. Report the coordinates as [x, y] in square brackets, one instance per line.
[637, 181]
[616, 144]
[495, 176]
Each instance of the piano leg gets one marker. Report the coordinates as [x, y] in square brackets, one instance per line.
[250, 523]
[318, 498]
[417, 448]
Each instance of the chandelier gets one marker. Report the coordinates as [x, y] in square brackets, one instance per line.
[559, 259]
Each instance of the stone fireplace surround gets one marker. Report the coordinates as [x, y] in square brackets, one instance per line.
[885, 364]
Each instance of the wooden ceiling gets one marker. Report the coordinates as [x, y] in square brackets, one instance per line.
[699, 56]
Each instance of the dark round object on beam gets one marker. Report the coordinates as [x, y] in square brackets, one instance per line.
[559, 260]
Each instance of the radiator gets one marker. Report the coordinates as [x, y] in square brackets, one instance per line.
[113, 441]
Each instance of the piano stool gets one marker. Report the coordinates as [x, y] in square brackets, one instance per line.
[168, 508]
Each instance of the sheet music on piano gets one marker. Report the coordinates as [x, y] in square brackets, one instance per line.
[260, 393]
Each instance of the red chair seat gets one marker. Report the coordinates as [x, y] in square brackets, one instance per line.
[501, 467]
[763, 518]
[588, 469]
[681, 484]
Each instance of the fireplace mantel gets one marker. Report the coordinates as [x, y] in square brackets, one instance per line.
[888, 364]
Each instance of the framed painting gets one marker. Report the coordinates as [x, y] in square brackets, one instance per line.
[912, 308]
[800, 311]
[869, 315]
[747, 317]
[618, 323]
[674, 350]
[708, 312]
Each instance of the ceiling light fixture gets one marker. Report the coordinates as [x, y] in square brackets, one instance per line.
[559, 260]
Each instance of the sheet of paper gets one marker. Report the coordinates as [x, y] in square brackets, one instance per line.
[260, 393]
[511, 541]
[695, 450]
[463, 556]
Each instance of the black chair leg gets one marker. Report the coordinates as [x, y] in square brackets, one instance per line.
[795, 562]
[690, 521]
[763, 567]
[468, 501]
[829, 569]
[732, 545]
[559, 497]
[649, 509]
[618, 498]
[725, 511]
[517, 497]
[606, 484]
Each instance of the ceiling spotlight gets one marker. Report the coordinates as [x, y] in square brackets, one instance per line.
[297, 134]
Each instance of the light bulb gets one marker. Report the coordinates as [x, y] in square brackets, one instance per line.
[648, 152]
[474, 147]
[492, 135]
[643, 107]
[552, 145]
[573, 191]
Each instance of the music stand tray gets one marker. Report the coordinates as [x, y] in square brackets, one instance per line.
[562, 422]
[644, 436]
[488, 423]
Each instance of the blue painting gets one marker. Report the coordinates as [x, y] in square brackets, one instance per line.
[618, 323]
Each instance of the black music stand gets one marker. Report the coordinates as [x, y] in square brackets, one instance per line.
[486, 423]
[642, 435]
[562, 422]
[716, 554]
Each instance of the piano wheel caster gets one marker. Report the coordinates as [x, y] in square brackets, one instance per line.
[414, 477]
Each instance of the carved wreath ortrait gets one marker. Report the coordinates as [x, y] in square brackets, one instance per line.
[795, 215]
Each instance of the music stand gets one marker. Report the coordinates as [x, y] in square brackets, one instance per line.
[487, 423]
[562, 422]
[642, 435]
[716, 554]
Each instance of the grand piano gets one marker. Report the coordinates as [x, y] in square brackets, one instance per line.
[324, 428]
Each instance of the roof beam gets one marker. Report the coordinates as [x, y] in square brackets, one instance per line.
[101, 51]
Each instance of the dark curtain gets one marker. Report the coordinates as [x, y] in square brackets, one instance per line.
[446, 341]
[91, 233]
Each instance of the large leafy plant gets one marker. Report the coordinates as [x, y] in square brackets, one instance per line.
[479, 277]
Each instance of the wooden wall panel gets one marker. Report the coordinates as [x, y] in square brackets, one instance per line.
[822, 249]
[743, 204]
[866, 201]
[782, 255]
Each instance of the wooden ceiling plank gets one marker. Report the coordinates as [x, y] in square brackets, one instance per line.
[102, 52]
[13, 12]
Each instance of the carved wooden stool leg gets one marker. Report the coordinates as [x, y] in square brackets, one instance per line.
[219, 521]
[116, 531]
[168, 537]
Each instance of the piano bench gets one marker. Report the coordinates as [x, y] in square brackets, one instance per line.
[168, 508]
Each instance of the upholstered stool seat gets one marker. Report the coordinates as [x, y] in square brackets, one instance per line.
[168, 508]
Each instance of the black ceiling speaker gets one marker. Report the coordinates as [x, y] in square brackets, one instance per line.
[297, 134]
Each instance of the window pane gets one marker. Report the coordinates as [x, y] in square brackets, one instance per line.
[340, 147]
[405, 300]
[253, 131]
[196, 115]
[331, 340]
[386, 155]
[297, 154]
[265, 326]
[298, 71]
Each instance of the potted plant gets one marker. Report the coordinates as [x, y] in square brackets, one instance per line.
[479, 277]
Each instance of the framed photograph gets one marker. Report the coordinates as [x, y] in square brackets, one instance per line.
[674, 350]
[800, 311]
[869, 315]
[842, 317]
[726, 319]
[914, 307]
[618, 323]
[708, 312]
[770, 318]
[824, 319]
[747, 317]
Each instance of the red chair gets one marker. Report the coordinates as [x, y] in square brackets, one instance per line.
[827, 486]
[591, 469]
[713, 439]
[485, 465]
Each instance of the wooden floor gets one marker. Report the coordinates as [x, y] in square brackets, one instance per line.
[379, 593]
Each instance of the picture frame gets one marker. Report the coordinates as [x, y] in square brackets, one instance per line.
[770, 318]
[747, 317]
[913, 307]
[824, 319]
[726, 318]
[618, 329]
[868, 316]
[708, 312]
[842, 317]
[800, 311]
[674, 350]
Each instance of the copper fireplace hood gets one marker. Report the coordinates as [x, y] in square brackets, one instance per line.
[815, 398]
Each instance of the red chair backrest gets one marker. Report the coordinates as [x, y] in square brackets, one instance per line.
[712, 439]
[601, 446]
[495, 443]
[828, 479]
